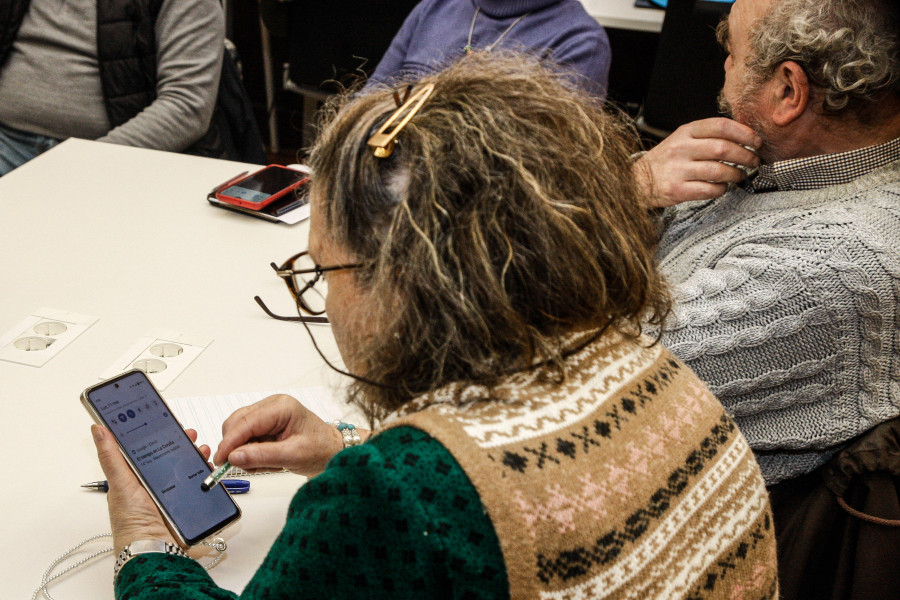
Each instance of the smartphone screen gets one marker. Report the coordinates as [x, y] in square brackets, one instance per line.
[261, 186]
[171, 467]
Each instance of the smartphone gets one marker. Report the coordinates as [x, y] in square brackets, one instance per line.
[259, 189]
[161, 454]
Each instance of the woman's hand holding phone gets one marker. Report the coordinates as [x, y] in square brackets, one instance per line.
[163, 458]
[132, 513]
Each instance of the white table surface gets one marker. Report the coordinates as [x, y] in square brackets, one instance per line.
[127, 235]
[623, 14]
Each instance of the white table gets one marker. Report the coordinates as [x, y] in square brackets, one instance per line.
[127, 235]
[623, 14]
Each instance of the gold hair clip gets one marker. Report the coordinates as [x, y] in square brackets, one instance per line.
[383, 141]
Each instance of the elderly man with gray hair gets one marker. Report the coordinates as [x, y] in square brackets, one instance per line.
[787, 282]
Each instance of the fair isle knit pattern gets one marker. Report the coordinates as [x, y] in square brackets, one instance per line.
[624, 480]
[787, 304]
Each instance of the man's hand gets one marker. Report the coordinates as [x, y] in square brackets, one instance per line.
[690, 163]
[278, 433]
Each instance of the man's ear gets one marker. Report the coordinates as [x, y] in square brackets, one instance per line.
[790, 93]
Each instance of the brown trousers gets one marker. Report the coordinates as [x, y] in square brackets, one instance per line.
[838, 528]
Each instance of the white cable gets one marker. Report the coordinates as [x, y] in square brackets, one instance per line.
[217, 544]
[46, 579]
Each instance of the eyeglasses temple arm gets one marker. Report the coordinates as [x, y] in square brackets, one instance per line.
[301, 318]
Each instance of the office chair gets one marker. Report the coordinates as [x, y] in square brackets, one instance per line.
[330, 44]
[688, 70]
[331, 41]
[335, 43]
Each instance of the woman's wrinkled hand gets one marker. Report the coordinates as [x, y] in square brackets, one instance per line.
[132, 513]
[278, 433]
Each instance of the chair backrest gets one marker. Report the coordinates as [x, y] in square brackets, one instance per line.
[331, 40]
[688, 71]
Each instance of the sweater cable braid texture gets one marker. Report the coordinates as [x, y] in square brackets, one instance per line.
[787, 304]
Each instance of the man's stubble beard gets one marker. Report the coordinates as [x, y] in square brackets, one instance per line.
[745, 111]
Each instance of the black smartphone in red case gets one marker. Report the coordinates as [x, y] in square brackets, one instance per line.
[259, 189]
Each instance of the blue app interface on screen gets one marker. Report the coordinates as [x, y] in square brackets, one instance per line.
[243, 193]
[163, 454]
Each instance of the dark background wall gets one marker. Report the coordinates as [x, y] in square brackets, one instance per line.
[633, 55]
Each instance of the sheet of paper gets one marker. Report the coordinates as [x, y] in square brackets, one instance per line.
[207, 413]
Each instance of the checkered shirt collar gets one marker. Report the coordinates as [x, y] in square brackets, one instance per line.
[824, 170]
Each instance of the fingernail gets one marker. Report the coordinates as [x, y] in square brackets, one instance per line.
[97, 432]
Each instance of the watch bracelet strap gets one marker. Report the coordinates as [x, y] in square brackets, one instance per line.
[125, 555]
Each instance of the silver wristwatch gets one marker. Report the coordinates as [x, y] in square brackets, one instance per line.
[144, 546]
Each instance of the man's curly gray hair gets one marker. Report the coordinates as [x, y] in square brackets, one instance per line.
[848, 48]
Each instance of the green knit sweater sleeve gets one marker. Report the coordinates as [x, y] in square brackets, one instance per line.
[394, 518]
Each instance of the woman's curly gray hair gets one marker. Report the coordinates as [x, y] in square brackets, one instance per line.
[505, 219]
[848, 48]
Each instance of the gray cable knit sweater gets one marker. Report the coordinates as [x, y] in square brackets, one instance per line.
[788, 304]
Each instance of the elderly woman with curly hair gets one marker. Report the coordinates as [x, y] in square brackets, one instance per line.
[489, 274]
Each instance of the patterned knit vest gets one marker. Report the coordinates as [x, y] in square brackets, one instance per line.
[624, 480]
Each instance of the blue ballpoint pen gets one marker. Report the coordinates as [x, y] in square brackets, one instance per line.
[233, 486]
[100, 486]
[236, 486]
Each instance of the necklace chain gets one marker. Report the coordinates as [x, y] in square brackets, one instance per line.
[468, 47]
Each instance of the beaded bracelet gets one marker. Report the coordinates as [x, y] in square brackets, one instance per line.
[348, 430]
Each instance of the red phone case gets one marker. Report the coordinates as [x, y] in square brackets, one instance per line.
[258, 205]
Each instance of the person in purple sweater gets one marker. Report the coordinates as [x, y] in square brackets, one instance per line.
[437, 32]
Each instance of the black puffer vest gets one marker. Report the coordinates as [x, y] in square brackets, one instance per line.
[126, 53]
[11, 14]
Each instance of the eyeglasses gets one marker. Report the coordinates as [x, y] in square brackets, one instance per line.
[301, 274]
